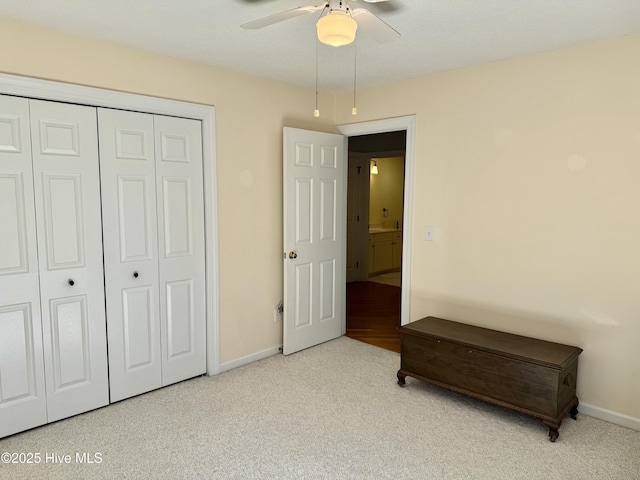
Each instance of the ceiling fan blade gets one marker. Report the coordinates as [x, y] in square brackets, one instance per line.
[279, 17]
[374, 26]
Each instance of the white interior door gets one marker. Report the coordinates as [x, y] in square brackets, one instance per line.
[67, 193]
[22, 387]
[178, 146]
[314, 244]
[128, 179]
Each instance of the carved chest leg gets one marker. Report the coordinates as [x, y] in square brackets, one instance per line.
[553, 430]
[574, 410]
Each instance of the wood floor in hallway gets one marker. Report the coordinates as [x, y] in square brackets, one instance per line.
[373, 314]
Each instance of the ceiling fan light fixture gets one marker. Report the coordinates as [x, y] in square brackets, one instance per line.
[337, 28]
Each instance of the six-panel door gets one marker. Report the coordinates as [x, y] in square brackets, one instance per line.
[180, 201]
[22, 387]
[151, 173]
[314, 201]
[127, 175]
[67, 196]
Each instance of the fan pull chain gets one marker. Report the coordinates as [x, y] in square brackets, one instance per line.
[316, 112]
[354, 110]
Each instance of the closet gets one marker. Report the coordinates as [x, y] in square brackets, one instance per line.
[101, 250]
[154, 249]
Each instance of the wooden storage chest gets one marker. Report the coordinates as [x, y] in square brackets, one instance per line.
[532, 376]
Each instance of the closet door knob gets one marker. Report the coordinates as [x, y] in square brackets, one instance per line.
[135, 274]
[71, 282]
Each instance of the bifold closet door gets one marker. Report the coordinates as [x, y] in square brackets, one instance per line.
[153, 216]
[181, 250]
[22, 386]
[127, 168]
[69, 232]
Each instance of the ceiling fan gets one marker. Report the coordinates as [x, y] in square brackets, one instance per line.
[338, 27]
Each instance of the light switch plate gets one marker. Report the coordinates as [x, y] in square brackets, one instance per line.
[430, 233]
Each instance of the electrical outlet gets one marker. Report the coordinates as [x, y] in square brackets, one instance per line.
[277, 312]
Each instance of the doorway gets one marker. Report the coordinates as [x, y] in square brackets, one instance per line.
[375, 218]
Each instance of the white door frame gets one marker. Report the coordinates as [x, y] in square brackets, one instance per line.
[97, 97]
[407, 123]
[363, 162]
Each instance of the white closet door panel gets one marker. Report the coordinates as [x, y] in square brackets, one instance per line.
[178, 231]
[181, 245]
[67, 193]
[130, 251]
[135, 197]
[63, 219]
[139, 324]
[180, 319]
[13, 218]
[70, 342]
[22, 386]
[16, 353]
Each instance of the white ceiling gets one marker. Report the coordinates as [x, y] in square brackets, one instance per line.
[437, 35]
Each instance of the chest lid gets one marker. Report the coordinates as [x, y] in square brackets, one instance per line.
[531, 350]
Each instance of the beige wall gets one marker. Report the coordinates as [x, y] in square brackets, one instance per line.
[250, 114]
[528, 168]
[530, 171]
[386, 191]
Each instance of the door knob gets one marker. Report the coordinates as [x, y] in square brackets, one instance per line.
[293, 255]
[135, 274]
[71, 282]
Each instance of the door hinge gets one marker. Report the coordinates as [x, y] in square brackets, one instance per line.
[357, 264]
[359, 168]
[357, 218]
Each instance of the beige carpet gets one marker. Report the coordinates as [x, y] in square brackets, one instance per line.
[330, 412]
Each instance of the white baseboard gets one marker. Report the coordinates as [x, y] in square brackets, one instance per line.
[609, 416]
[254, 357]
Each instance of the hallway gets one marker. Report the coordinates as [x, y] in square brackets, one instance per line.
[373, 314]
